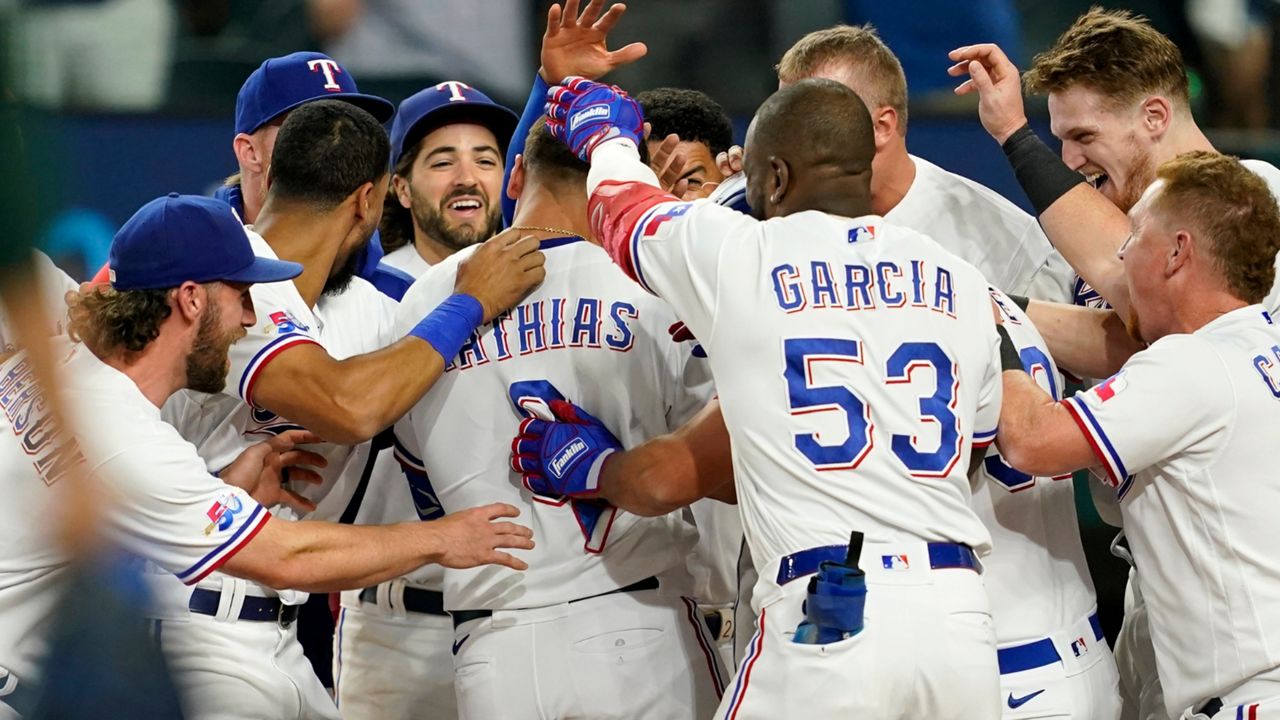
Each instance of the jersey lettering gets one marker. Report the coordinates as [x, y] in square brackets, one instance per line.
[1268, 369]
[53, 452]
[544, 325]
[862, 286]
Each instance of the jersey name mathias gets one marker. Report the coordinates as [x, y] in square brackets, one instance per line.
[855, 286]
[551, 324]
[53, 452]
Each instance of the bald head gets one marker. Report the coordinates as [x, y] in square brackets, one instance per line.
[810, 144]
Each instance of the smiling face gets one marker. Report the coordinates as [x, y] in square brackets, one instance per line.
[700, 165]
[1145, 257]
[453, 186]
[1105, 143]
[224, 319]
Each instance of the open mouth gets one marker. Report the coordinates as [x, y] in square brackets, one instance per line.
[1097, 180]
[465, 206]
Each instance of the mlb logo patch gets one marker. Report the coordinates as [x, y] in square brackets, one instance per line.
[1079, 647]
[895, 562]
[862, 232]
[1111, 387]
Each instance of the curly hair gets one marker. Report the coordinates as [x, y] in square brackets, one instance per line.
[692, 115]
[110, 322]
[1115, 53]
[1234, 211]
[395, 230]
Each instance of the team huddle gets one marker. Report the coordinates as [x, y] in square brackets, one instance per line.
[587, 413]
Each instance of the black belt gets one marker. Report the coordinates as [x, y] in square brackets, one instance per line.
[1211, 708]
[649, 583]
[427, 602]
[254, 608]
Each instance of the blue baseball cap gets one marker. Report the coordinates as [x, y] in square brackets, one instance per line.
[448, 102]
[177, 238]
[283, 83]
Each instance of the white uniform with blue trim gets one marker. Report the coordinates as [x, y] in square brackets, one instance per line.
[591, 336]
[159, 501]
[1054, 660]
[389, 660]
[1192, 465]
[263, 673]
[857, 366]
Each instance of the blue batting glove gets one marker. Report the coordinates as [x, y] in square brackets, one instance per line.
[562, 458]
[583, 114]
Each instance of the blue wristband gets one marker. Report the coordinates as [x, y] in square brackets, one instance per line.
[448, 326]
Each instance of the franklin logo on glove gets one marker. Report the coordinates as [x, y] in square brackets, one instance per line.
[566, 456]
[591, 113]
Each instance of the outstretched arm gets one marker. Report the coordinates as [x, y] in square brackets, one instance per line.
[1082, 224]
[573, 44]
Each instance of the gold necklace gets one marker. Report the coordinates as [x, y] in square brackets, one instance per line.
[558, 231]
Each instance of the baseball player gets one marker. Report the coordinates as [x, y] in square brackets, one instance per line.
[1194, 488]
[605, 601]
[966, 218]
[703, 128]
[884, 360]
[179, 299]
[279, 85]
[1106, 59]
[321, 357]
[391, 643]
[448, 143]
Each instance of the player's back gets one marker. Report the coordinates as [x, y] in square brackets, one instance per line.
[587, 334]
[856, 363]
[1036, 575]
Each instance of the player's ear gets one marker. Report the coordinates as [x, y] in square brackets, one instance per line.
[779, 180]
[1157, 112]
[364, 200]
[400, 186]
[1180, 252]
[190, 299]
[515, 184]
[247, 156]
[885, 124]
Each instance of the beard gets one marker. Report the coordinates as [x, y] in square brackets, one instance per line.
[342, 274]
[209, 359]
[1133, 326]
[430, 220]
[1141, 173]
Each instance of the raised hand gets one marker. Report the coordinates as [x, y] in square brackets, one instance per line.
[470, 538]
[577, 44]
[998, 84]
[260, 470]
[501, 272]
[584, 114]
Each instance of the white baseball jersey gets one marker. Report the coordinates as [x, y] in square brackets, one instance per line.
[54, 285]
[353, 322]
[1187, 433]
[586, 334]
[856, 362]
[408, 259]
[1036, 574]
[160, 503]
[980, 226]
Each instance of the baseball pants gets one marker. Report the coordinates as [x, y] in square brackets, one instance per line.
[926, 650]
[1141, 696]
[230, 669]
[634, 655]
[390, 663]
[1069, 675]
